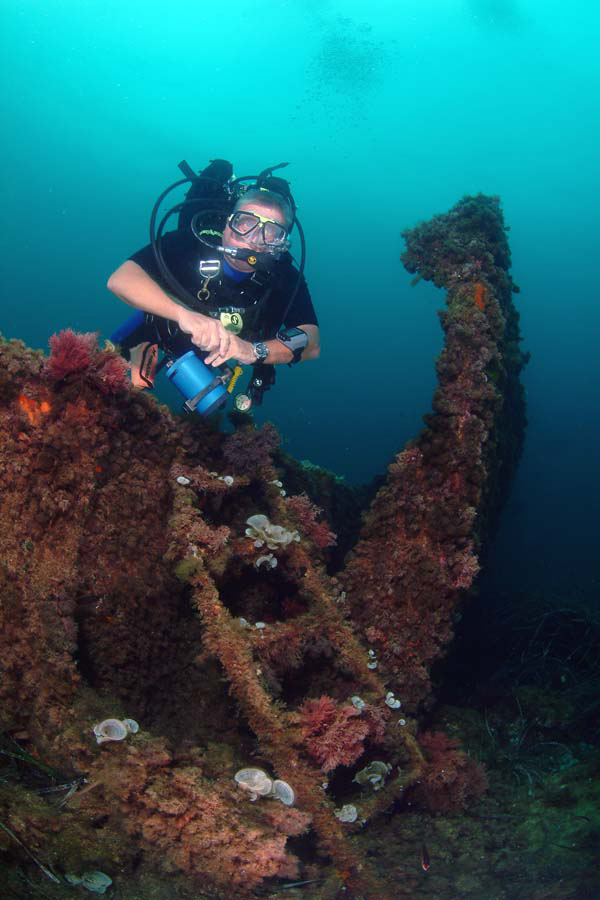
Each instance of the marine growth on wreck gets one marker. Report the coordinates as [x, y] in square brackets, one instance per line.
[155, 570]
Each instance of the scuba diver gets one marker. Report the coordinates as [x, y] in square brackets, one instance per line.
[221, 286]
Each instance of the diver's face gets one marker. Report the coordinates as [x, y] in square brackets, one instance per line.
[253, 240]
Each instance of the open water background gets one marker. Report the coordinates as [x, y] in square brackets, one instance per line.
[389, 113]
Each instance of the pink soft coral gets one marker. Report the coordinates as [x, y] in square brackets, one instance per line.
[333, 735]
[70, 353]
[79, 354]
[111, 374]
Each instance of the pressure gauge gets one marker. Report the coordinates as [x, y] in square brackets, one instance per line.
[242, 402]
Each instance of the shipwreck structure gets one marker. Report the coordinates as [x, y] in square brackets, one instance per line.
[155, 570]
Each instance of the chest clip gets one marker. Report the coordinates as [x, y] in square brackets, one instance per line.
[209, 269]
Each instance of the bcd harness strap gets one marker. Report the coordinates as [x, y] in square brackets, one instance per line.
[233, 317]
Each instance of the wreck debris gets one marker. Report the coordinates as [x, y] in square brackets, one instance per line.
[418, 552]
[116, 581]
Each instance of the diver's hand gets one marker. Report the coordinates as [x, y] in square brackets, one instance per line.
[238, 349]
[207, 334]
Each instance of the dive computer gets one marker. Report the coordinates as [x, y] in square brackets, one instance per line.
[295, 340]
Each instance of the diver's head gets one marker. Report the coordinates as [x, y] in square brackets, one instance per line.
[261, 220]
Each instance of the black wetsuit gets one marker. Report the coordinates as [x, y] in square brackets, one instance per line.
[260, 300]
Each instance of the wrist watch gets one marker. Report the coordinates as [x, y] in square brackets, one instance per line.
[261, 351]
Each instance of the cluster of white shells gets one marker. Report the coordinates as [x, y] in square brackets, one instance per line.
[267, 560]
[183, 480]
[348, 813]
[115, 729]
[258, 784]
[372, 660]
[265, 533]
[391, 701]
[279, 484]
[96, 882]
[258, 625]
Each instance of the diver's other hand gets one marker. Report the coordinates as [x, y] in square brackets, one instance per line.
[238, 349]
[206, 333]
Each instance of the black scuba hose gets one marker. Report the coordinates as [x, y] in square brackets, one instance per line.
[300, 270]
[156, 237]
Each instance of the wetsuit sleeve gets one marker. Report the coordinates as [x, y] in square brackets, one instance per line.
[177, 249]
[145, 259]
[302, 311]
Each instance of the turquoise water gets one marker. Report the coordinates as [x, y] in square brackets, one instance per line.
[388, 113]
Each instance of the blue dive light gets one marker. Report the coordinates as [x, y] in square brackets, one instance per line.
[202, 387]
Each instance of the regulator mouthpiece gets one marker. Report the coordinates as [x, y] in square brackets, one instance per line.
[254, 258]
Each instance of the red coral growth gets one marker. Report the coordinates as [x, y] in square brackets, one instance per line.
[79, 354]
[305, 514]
[198, 825]
[286, 820]
[249, 449]
[199, 535]
[451, 780]
[206, 536]
[200, 479]
[112, 374]
[333, 735]
[70, 353]
[480, 296]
